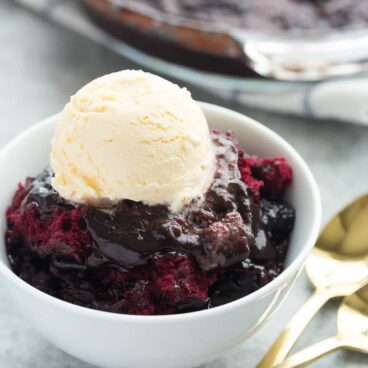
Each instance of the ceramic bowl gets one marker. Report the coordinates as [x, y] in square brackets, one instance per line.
[174, 341]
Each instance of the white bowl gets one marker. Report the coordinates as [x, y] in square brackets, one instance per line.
[186, 340]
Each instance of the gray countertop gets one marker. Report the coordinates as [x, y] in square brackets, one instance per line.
[41, 65]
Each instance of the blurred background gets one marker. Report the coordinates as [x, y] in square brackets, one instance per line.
[297, 66]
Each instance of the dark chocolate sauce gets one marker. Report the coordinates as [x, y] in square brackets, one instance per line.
[220, 232]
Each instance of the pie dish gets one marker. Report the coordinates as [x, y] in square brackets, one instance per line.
[292, 40]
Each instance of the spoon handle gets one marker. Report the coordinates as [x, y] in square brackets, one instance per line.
[307, 356]
[288, 337]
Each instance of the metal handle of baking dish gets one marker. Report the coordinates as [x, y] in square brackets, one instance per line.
[307, 59]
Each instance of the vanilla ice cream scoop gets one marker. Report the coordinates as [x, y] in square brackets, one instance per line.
[132, 135]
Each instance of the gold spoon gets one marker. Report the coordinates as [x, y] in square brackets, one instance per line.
[337, 266]
[352, 332]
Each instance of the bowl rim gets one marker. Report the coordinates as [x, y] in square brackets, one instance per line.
[283, 278]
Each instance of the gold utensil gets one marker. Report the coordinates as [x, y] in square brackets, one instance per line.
[337, 266]
[352, 332]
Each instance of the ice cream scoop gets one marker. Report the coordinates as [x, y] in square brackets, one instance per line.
[132, 135]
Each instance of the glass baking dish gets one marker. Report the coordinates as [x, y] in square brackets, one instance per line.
[231, 61]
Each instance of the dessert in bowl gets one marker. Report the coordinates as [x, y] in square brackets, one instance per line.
[72, 238]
